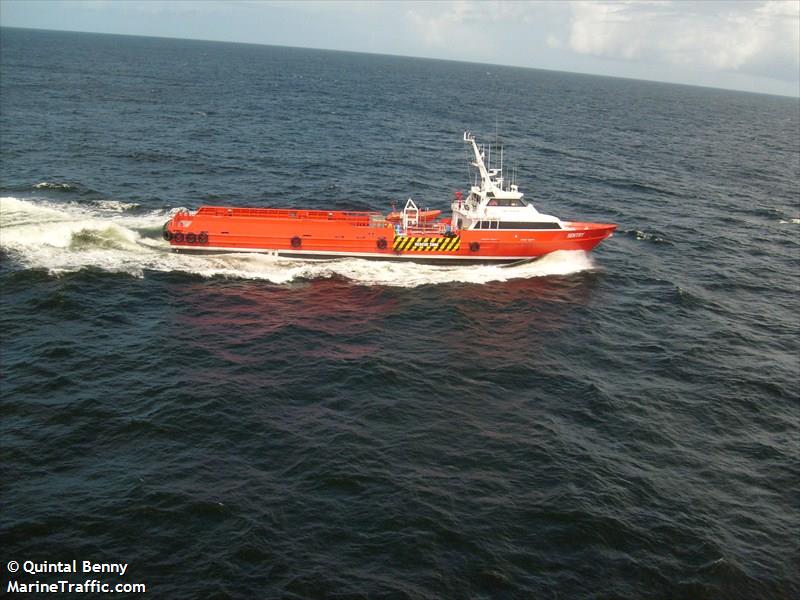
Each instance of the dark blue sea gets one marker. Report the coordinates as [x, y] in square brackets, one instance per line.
[620, 424]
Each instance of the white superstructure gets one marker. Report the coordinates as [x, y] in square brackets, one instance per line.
[494, 205]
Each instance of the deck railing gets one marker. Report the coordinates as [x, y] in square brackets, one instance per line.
[280, 213]
[354, 218]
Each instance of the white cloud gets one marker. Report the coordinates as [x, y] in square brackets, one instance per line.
[441, 24]
[760, 38]
[553, 41]
[467, 22]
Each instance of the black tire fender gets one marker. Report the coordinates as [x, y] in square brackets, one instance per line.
[381, 243]
[474, 246]
[178, 237]
[296, 242]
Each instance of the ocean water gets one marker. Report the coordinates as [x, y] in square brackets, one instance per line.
[623, 424]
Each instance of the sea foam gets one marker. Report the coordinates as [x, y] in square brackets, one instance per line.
[68, 237]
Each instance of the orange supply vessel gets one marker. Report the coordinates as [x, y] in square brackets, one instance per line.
[493, 224]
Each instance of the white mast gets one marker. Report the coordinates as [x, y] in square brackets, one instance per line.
[486, 181]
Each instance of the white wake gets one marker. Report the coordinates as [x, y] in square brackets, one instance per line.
[68, 237]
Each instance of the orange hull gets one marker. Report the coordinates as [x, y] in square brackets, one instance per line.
[332, 234]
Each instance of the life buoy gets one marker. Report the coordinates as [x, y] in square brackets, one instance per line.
[178, 237]
[191, 238]
[296, 242]
[203, 237]
[474, 246]
[382, 243]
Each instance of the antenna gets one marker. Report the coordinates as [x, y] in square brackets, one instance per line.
[497, 142]
[501, 161]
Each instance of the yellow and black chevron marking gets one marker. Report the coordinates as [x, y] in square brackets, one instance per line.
[426, 244]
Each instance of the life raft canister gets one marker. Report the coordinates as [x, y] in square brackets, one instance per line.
[296, 242]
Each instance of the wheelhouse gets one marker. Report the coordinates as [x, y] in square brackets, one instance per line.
[492, 203]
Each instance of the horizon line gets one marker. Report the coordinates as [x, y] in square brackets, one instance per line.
[453, 60]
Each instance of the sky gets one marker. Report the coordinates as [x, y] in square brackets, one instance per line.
[742, 45]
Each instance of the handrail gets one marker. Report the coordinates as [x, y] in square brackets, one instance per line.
[438, 228]
[284, 213]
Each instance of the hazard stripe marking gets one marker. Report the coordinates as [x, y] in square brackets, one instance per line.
[426, 244]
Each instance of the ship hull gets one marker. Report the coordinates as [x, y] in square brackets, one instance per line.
[327, 235]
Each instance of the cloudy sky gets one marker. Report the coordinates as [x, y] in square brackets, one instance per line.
[745, 45]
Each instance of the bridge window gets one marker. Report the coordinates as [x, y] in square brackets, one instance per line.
[487, 225]
[515, 202]
[524, 225]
